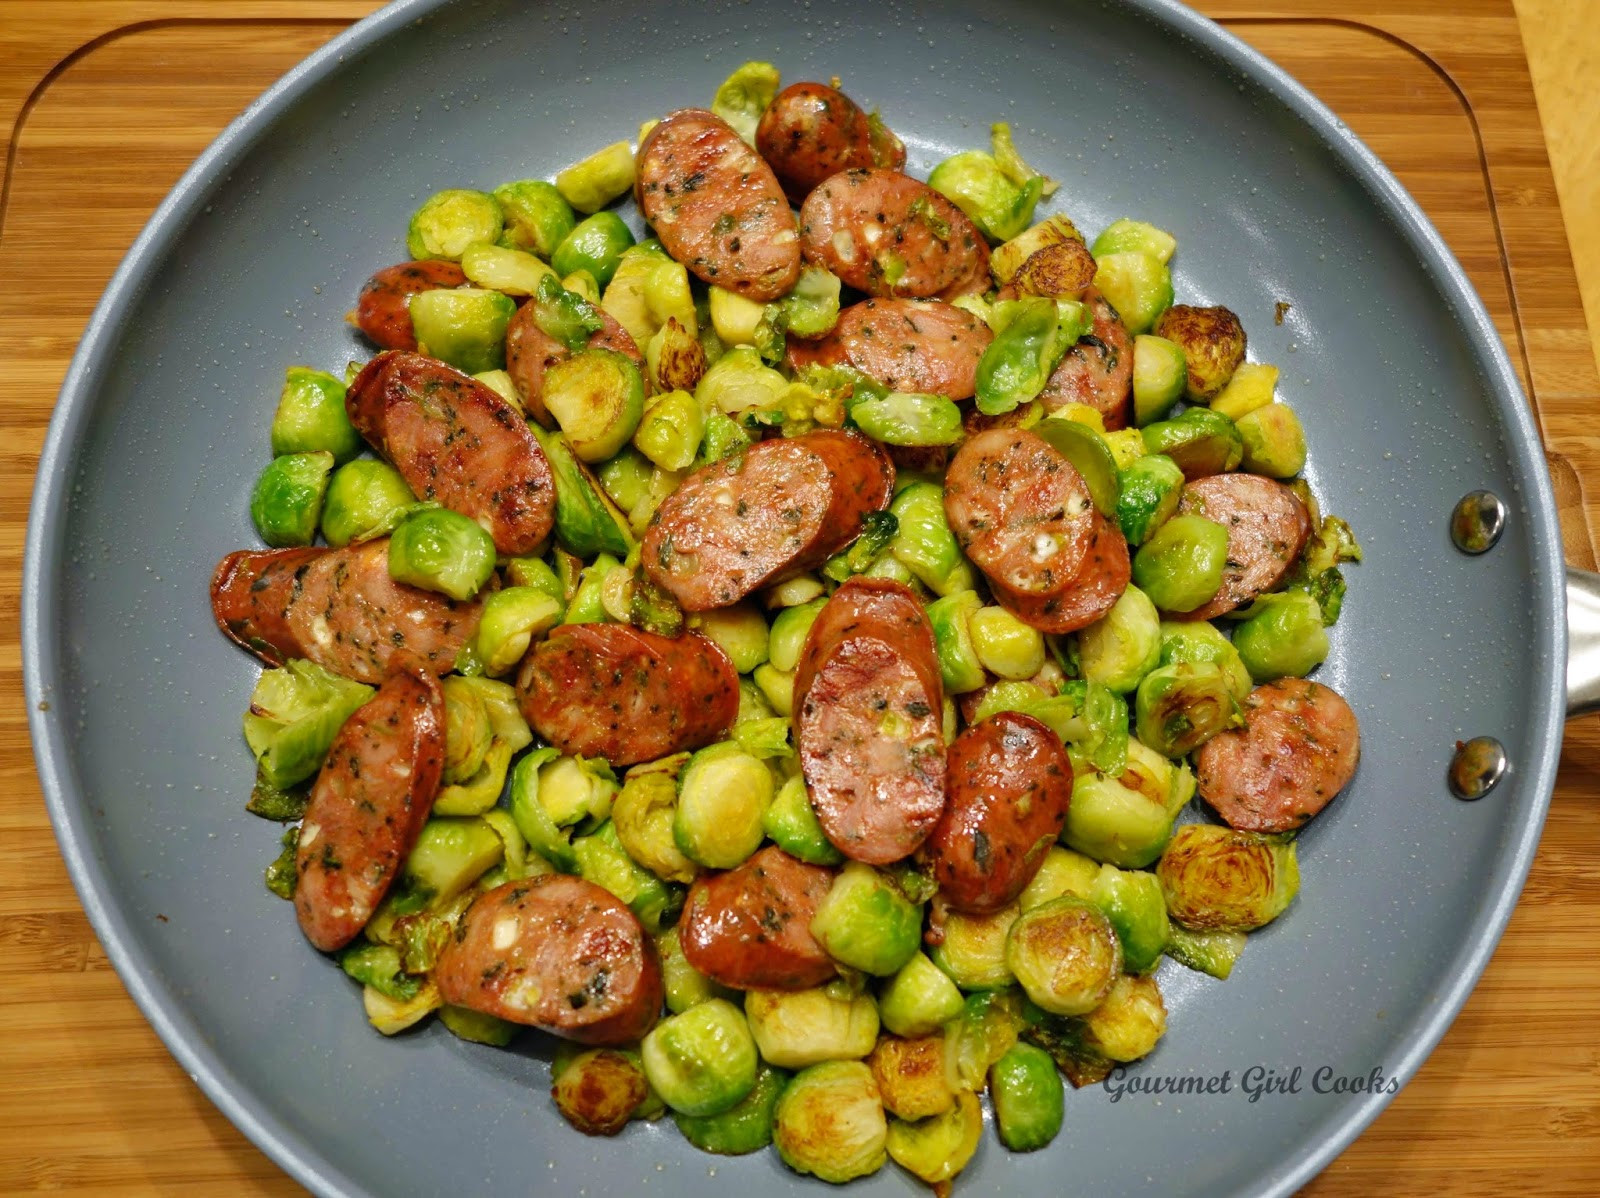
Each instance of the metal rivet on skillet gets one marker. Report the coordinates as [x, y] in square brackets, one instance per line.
[1477, 767]
[1477, 522]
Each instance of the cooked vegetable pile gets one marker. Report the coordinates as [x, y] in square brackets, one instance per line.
[775, 656]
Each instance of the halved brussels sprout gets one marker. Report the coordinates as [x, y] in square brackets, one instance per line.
[1127, 1025]
[391, 1017]
[648, 288]
[1252, 386]
[737, 320]
[952, 633]
[501, 268]
[811, 308]
[603, 860]
[703, 1061]
[451, 220]
[1007, 258]
[685, 985]
[1283, 637]
[537, 218]
[1090, 718]
[1181, 706]
[287, 499]
[464, 326]
[1158, 377]
[1148, 495]
[1199, 641]
[919, 999]
[477, 1027]
[378, 966]
[467, 730]
[1029, 1100]
[829, 1122]
[906, 419]
[1216, 878]
[1127, 820]
[1066, 955]
[975, 183]
[597, 397]
[1274, 442]
[740, 631]
[1132, 901]
[643, 814]
[450, 855]
[440, 550]
[722, 795]
[1015, 366]
[1200, 441]
[500, 383]
[675, 361]
[365, 499]
[864, 922]
[1124, 645]
[625, 478]
[1213, 344]
[595, 244]
[1213, 953]
[1136, 284]
[777, 686]
[310, 416]
[512, 617]
[935, 1149]
[910, 1075]
[1004, 645]
[724, 437]
[973, 952]
[788, 635]
[796, 1028]
[1062, 873]
[1077, 432]
[534, 819]
[983, 1033]
[924, 543]
[744, 1127]
[1180, 567]
[295, 712]
[587, 522]
[1125, 236]
[740, 382]
[594, 182]
[597, 1090]
[792, 824]
[744, 96]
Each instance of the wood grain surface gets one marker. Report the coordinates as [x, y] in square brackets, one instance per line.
[107, 101]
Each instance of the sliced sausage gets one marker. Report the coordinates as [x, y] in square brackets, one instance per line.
[869, 721]
[888, 234]
[557, 953]
[530, 351]
[907, 345]
[750, 928]
[811, 131]
[618, 692]
[1010, 782]
[1098, 370]
[1099, 583]
[338, 608]
[716, 206]
[1267, 528]
[1297, 750]
[368, 805]
[383, 309]
[459, 442]
[781, 507]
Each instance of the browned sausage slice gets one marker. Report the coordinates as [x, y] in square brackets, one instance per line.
[383, 309]
[455, 440]
[869, 721]
[618, 692]
[1099, 583]
[368, 806]
[907, 345]
[1267, 528]
[338, 608]
[1297, 750]
[750, 928]
[811, 131]
[716, 206]
[1098, 370]
[888, 234]
[530, 351]
[781, 507]
[557, 953]
[1010, 782]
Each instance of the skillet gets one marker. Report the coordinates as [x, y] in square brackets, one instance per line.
[1395, 369]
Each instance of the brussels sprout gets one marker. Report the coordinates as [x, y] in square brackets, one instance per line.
[1090, 718]
[1124, 645]
[744, 1127]
[500, 383]
[911, 1075]
[788, 636]
[830, 1123]
[1181, 706]
[1128, 236]
[1274, 442]
[797, 1028]
[1066, 955]
[764, 739]
[625, 478]
[811, 308]
[744, 96]
[463, 326]
[587, 523]
[595, 244]
[906, 419]
[793, 826]
[1016, 365]
[1078, 441]
[740, 382]
[865, 923]
[597, 1090]
[310, 416]
[675, 361]
[500, 268]
[1199, 440]
[594, 182]
[1136, 284]
[777, 686]
[477, 1027]
[288, 498]
[1159, 377]
[1252, 386]
[586, 606]
[753, 704]
[603, 860]
[535, 818]
[511, 618]
[1283, 637]
[646, 289]
[877, 532]
[295, 712]
[597, 397]
[722, 796]
[378, 966]
[1011, 162]
[517, 862]
[958, 657]
[740, 631]
[1199, 641]
[1029, 1100]
[1060, 271]
[924, 543]
[536, 217]
[792, 592]
[1180, 566]
[365, 499]
[1148, 495]
[1062, 873]
[1317, 572]
[1126, 821]
[984, 1032]
[440, 550]
[1127, 1025]
[935, 1149]
[467, 730]
[1213, 345]
[1132, 901]
[1213, 953]
[449, 221]
[973, 952]
[685, 985]
[737, 320]
[1007, 258]
[282, 804]
[1005, 645]
[643, 814]
[582, 284]
[974, 182]
[918, 999]
[703, 1061]
[451, 854]
[1218, 879]
[391, 1017]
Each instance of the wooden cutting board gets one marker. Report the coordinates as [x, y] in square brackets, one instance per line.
[107, 101]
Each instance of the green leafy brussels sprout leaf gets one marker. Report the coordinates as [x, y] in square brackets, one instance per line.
[468, 732]
[1137, 285]
[724, 438]
[877, 531]
[287, 499]
[744, 96]
[924, 543]
[451, 220]
[764, 739]
[909, 419]
[1199, 641]
[1090, 456]
[1010, 162]
[378, 966]
[310, 416]
[1149, 491]
[740, 382]
[1135, 236]
[565, 316]
[1214, 953]
[625, 478]
[830, 1123]
[534, 819]
[451, 854]
[537, 218]
[281, 874]
[1069, 1045]
[1215, 878]
[1317, 572]
[977, 184]
[1015, 366]
[1089, 717]
[703, 1061]
[279, 803]
[479, 791]
[295, 712]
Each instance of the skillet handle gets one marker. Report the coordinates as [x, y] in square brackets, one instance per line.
[1583, 642]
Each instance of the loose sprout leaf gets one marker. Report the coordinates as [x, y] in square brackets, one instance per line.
[1011, 162]
[281, 875]
[379, 966]
[565, 316]
[276, 802]
[744, 96]
[1067, 1041]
